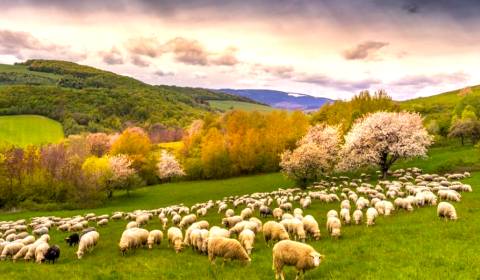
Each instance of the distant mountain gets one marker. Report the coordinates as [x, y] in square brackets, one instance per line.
[281, 99]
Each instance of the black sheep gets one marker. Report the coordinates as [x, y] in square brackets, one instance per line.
[265, 212]
[53, 253]
[73, 239]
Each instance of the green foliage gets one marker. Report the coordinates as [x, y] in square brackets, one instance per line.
[226, 105]
[26, 130]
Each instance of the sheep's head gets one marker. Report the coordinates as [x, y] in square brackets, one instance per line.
[79, 254]
[316, 258]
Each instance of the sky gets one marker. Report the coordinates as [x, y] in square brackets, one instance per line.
[330, 48]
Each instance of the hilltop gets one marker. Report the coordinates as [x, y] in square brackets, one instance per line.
[83, 98]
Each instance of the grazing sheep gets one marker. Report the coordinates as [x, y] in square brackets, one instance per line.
[226, 248]
[258, 224]
[218, 232]
[274, 231]
[22, 252]
[41, 251]
[229, 213]
[295, 228]
[446, 210]
[291, 253]
[11, 249]
[73, 239]
[247, 239]
[87, 242]
[175, 238]
[40, 231]
[31, 250]
[345, 215]
[265, 211]
[28, 240]
[449, 195]
[102, 222]
[132, 225]
[345, 204]
[133, 238]
[154, 237]
[176, 219]
[246, 213]
[311, 227]
[187, 221]
[76, 227]
[332, 213]
[334, 226]
[357, 216]
[372, 214]
[142, 219]
[231, 221]
[277, 213]
[196, 239]
[53, 253]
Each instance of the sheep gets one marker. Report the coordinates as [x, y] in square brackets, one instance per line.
[117, 216]
[102, 222]
[227, 248]
[53, 253]
[41, 251]
[357, 216]
[246, 213]
[345, 215]
[229, 213]
[132, 225]
[372, 214]
[22, 252]
[345, 204]
[197, 225]
[11, 237]
[449, 195]
[274, 231]
[311, 227]
[218, 232]
[196, 239]
[175, 238]
[133, 238]
[446, 210]
[28, 240]
[258, 224]
[265, 211]
[231, 221]
[334, 226]
[247, 239]
[76, 227]
[295, 227]
[154, 237]
[176, 219]
[142, 219]
[243, 225]
[292, 253]
[73, 239]
[11, 249]
[40, 231]
[87, 242]
[332, 213]
[277, 213]
[187, 221]
[31, 251]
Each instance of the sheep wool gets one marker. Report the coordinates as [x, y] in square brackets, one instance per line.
[247, 239]
[175, 238]
[446, 210]
[357, 216]
[87, 242]
[334, 226]
[372, 214]
[154, 237]
[226, 248]
[273, 231]
[290, 253]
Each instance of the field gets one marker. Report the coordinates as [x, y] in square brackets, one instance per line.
[238, 105]
[414, 245]
[22, 130]
[22, 69]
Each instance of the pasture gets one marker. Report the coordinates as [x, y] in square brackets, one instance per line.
[23, 130]
[227, 105]
[406, 245]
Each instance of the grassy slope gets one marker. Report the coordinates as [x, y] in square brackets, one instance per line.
[414, 245]
[23, 130]
[245, 106]
[23, 69]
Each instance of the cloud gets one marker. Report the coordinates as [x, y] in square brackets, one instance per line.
[112, 57]
[421, 81]
[344, 85]
[277, 71]
[162, 73]
[411, 7]
[187, 51]
[363, 50]
[139, 61]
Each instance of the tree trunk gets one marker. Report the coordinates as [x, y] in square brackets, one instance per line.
[461, 137]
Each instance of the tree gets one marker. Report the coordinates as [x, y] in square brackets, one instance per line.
[168, 167]
[121, 172]
[134, 143]
[382, 138]
[315, 155]
[99, 143]
[467, 126]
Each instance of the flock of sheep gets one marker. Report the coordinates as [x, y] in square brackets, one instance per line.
[288, 227]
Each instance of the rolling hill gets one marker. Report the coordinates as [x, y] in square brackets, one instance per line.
[23, 130]
[226, 105]
[83, 98]
[281, 99]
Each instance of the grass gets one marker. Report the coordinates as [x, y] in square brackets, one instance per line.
[171, 146]
[23, 130]
[414, 245]
[22, 69]
[225, 105]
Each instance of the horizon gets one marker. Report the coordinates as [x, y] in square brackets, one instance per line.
[331, 49]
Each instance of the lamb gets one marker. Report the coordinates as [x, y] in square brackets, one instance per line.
[102, 222]
[229, 213]
[73, 239]
[274, 231]
[226, 248]
[357, 216]
[133, 238]
[87, 242]
[142, 219]
[197, 225]
[247, 239]
[449, 195]
[311, 227]
[76, 227]
[53, 253]
[187, 221]
[154, 237]
[218, 232]
[11, 249]
[334, 226]
[345, 204]
[295, 227]
[292, 253]
[372, 214]
[41, 251]
[196, 239]
[246, 213]
[31, 250]
[175, 238]
[446, 210]
[345, 215]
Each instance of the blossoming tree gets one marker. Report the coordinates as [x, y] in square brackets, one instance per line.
[168, 167]
[382, 138]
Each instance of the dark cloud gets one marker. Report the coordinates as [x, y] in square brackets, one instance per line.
[184, 50]
[412, 8]
[162, 73]
[421, 81]
[139, 61]
[363, 50]
[112, 57]
[343, 85]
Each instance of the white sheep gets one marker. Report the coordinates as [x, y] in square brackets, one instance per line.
[229, 213]
[218, 232]
[22, 252]
[10, 249]
[40, 252]
[332, 213]
[246, 213]
[446, 210]
[357, 216]
[345, 215]
[290, 253]
[273, 231]
[227, 248]
[102, 222]
[334, 226]
[175, 238]
[295, 228]
[311, 227]
[187, 221]
[154, 237]
[372, 214]
[133, 238]
[87, 242]
[247, 239]
[132, 225]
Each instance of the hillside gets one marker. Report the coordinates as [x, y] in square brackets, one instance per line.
[23, 130]
[84, 98]
[226, 105]
[280, 99]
